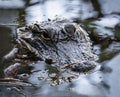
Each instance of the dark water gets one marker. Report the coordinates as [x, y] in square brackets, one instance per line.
[101, 18]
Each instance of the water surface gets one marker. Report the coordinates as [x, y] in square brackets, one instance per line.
[101, 18]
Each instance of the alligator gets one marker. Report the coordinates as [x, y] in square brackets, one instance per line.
[62, 45]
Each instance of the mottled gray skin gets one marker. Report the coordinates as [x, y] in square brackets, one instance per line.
[59, 43]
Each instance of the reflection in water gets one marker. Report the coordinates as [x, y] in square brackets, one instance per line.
[101, 17]
[110, 7]
[111, 79]
[5, 45]
[70, 9]
[90, 82]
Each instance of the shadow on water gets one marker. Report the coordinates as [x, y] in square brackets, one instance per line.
[102, 20]
[6, 46]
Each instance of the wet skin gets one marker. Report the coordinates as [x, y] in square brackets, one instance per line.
[60, 43]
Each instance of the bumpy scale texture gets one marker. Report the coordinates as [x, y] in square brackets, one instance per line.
[61, 47]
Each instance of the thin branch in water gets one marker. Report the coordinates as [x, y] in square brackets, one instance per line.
[18, 91]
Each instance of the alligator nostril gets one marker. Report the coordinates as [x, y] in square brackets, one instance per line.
[48, 61]
[45, 35]
[35, 28]
[70, 29]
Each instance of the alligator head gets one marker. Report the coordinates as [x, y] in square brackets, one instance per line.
[59, 43]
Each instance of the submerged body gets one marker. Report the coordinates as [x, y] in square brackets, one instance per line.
[61, 44]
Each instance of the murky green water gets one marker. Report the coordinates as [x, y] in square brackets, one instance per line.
[101, 18]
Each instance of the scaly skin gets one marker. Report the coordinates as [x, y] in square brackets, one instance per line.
[60, 43]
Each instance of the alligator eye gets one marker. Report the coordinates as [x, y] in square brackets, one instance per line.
[45, 35]
[70, 29]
